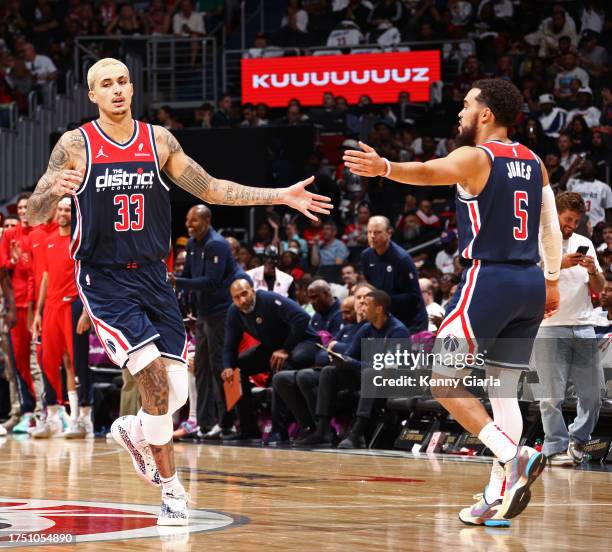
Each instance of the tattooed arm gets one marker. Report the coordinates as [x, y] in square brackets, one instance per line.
[63, 176]
[190, 176]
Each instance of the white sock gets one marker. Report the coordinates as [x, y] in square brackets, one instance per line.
[85, 412]
[172, 484]
[193, 397]
[73, 399]
[53, 410]
[136, 429]
[507, 416]
[498, 442]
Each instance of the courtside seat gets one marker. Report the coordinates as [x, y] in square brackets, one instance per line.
[402, 404]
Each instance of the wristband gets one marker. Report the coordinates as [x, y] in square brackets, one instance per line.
[388, 167]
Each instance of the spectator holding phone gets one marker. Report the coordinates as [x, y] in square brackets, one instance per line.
[566, 346]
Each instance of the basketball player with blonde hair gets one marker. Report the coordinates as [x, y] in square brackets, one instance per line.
[121, 229]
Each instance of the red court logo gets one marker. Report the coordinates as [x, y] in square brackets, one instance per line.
[380, 76]
[26, 522]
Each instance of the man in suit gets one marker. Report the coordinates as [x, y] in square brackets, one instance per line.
[286, 338]
[209, 270]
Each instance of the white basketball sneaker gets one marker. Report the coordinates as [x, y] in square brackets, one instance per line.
[50, 428]
[174, 510]
[140, 451]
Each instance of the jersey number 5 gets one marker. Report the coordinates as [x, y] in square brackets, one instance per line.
[520, 212]
[126, 222]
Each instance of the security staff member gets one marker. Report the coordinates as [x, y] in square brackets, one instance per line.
[327, 316]
[387, 266]
[381, 325]
[286, 342]
[209, 270]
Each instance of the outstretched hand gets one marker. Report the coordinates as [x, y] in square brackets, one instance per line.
[300, 199]
[364, 163]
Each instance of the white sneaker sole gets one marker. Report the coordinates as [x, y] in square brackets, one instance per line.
[122, 438]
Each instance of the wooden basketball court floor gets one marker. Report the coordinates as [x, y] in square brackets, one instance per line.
[260, 499]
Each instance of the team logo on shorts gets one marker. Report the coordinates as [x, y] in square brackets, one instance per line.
[259, 320]
[24, 522]
[111, 346]
[389, 268]
[450, 343]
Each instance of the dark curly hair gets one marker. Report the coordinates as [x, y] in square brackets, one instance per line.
[502, 98]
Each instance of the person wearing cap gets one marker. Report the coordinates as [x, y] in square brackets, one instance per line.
[390, 268]
[445, 257]
[209, 270]
[591, 114]
[552, 118]
[269, 277]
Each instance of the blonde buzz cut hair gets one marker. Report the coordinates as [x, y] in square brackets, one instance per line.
[101, 64]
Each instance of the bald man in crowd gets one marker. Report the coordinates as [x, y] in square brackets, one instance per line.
[209, 270]
[390, 268]
[287, 342]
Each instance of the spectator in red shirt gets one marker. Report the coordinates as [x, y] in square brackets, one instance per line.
[16, 257]
[426, 215]
[315, 230]
[54, 321]
[356, 233]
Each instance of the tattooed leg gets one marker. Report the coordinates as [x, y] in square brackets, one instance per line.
[154, 389]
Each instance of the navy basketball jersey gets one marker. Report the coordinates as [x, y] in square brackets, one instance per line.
[501, 224]
[121, 212]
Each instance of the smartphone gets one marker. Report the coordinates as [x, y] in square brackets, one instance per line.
[583, 249]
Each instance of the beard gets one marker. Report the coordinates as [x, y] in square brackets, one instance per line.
[467, 136]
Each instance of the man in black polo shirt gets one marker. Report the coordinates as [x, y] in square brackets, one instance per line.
[209, 270]
[286, 342]
[387, 266]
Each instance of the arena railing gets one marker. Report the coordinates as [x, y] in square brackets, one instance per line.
[25, 147]
[454, 52]
[178, 71]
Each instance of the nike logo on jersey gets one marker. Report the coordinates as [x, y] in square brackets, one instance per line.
[101, 153]
[51, 245]
[519, 169]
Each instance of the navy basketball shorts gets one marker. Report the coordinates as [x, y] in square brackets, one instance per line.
[131, 308]
[495, 314]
